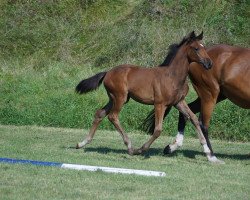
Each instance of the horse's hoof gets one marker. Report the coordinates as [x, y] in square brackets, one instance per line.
[167, 150]
[131, 152]
[136, 152]
[78, 146]
[215, 160]
[221, 162]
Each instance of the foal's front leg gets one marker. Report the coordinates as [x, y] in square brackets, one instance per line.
[184, 109]
[159, 113]
[178, 142]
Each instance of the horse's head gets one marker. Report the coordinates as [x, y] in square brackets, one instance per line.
[196, 51]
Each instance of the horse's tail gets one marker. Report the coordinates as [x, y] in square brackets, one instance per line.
[148, 125]
[91, 83]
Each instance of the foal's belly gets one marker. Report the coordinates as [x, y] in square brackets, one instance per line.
[142, 96]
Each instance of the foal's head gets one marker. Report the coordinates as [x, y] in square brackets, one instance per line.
[196, 51]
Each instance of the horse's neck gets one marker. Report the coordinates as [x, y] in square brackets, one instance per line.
[180, 64]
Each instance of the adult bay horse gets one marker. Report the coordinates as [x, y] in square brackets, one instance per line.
[228, 79]
[164, 86]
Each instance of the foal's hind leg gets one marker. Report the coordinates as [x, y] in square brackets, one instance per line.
[113, 117]
[184, 109]
[99, 115]
[159, 113]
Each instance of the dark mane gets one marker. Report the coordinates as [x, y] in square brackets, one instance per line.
[172, 51]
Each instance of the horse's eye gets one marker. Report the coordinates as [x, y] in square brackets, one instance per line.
[196, 49]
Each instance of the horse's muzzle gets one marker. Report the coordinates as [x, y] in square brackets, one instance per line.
[207, 63]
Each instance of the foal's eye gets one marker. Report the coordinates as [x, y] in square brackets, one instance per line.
[196, 49]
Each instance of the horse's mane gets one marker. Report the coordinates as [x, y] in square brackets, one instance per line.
[172, 51]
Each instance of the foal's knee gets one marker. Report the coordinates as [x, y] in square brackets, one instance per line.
[99, 115]
[112, 117]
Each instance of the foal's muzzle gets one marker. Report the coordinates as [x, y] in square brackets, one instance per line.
[207, 63]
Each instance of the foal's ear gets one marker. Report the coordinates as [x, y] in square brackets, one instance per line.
[199, 37]
[191, 35]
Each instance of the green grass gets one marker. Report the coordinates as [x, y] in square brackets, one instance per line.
[189, 175]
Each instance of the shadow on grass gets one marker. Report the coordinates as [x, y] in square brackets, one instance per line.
[192, 153]
[159, 152]
[105, 150]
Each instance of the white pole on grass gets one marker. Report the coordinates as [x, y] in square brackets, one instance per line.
[84, 167]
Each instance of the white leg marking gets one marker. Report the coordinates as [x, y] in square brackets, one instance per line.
[178, 142]
[210, 158]
[206, 149]
[179, 139]
[173, 147]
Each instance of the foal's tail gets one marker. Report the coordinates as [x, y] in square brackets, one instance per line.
[148, 125]
[91, 83]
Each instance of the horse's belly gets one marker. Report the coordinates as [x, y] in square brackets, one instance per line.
[235, 84]
[142, 97]
[238, 95]
[242, 101]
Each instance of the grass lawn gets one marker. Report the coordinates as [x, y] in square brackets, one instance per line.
[189, 175]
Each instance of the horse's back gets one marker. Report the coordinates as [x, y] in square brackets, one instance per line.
[140, 83]
[234, 66]
[229, 75]
[131, 80]
[127, 74]
[116, 78]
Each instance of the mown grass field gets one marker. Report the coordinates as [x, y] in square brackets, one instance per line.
[189, 175]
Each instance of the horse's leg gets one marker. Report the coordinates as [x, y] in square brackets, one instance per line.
[207, 107]
[195, 108]
[113, 117]
[99, 115]
[183, 107]
[159, 113]
[205, 117]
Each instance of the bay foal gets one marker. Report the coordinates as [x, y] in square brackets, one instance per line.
[164, 86]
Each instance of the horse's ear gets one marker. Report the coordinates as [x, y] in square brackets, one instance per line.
[191, 35]
[199, 37]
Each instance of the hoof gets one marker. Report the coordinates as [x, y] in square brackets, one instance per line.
[131, 152]
[167, 150]
[221, 162]
[136, 152]
[215, 160]
[78, 146]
